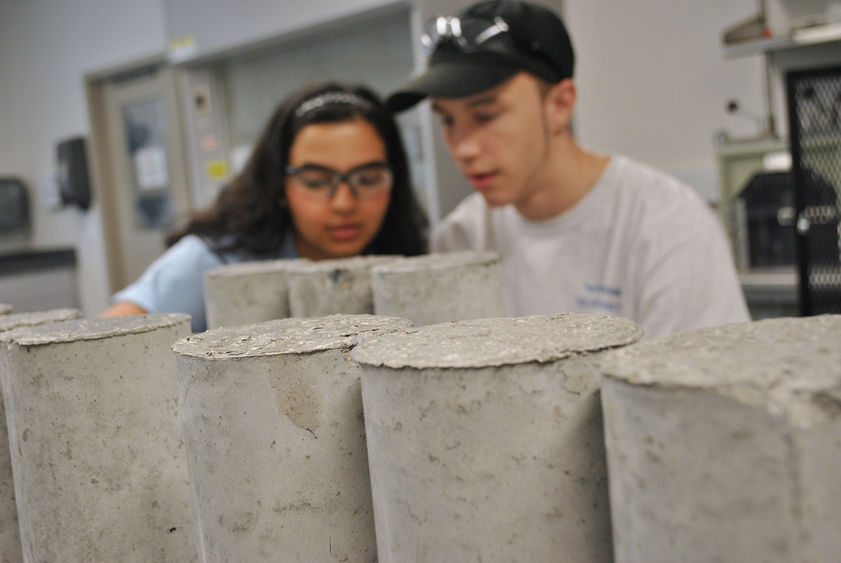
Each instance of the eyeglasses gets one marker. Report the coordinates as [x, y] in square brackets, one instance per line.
[468, 34]
[364, 181]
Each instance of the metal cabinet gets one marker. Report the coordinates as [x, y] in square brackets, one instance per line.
[814, 110]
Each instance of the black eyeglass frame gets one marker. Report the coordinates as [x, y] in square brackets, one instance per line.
[350, 177]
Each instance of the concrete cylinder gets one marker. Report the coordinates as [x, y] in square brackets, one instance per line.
[485, 439]
[276, 444]
[723, 444]
[331, 287]
[17, 320]
[5, 308]
[9, 535]
[246, 293]
[436, 288]
[96, 440]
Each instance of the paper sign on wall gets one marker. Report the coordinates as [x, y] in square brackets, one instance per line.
[150, 167]
[182, 49]
[217, 169]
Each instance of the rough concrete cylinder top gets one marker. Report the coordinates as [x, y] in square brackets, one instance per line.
[247, 292]
[436, 288]
[485, 439]
[274, 431]
[96, 440]
[723, 444]
[335, 286]
[5, 308]
[9, 535]
[18, 320]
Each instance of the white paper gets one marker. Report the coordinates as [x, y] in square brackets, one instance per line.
[151, 169]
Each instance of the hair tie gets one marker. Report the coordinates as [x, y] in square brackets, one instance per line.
[345, 98]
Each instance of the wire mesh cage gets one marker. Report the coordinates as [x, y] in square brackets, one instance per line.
[814, 113]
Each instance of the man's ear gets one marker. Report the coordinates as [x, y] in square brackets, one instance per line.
[560, 103]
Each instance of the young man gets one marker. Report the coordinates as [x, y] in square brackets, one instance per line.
[578, 231]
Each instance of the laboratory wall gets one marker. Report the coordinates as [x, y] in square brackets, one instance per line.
[652, 83]
[46, 48]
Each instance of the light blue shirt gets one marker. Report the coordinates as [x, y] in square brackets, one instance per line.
[174, 283]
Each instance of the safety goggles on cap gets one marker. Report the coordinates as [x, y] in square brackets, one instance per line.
[469, 34]
[485, 45]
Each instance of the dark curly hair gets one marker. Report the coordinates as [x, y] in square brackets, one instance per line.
[247, 214]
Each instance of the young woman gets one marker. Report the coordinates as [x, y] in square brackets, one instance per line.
[328, 178]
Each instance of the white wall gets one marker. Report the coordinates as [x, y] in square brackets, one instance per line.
[653, 81]
[46, 46]
[652, 84]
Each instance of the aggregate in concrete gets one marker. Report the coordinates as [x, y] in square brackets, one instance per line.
[724, 444]
[96, 440]
[247, 292]
[5, 308]
[436, 288]
[485, 438]
[276, 443]
[10, 549]
[330, 287]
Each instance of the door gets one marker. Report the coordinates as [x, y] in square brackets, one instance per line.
[148, 187]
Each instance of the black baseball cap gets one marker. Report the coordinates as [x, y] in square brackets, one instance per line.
[528, 37]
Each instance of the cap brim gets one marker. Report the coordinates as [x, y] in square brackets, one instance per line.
[450, 80]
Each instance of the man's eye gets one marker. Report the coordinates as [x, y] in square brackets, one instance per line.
[485, 117]
[446, 120]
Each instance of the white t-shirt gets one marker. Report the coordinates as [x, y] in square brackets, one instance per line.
[640, 245]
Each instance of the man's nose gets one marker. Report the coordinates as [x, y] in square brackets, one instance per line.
[463, 145]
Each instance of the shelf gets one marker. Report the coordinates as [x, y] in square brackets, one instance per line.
[828, 33]
[760, 146]
[775, 286]
[14, 263]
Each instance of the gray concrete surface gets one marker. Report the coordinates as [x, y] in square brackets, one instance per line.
[5, 308]
[485, 439]
[437, 288]
[331, 287]
[274, 430]
[10, 549]
[96, 440]
[17, 320]
[724, 444]
[246, 293]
